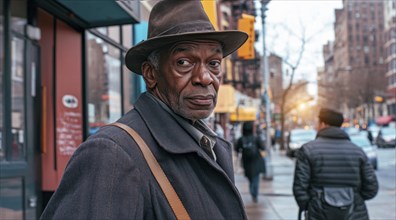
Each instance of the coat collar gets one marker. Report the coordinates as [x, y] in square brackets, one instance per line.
[161, 124]
[332, 132]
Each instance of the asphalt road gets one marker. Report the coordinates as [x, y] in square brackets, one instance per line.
[383, 206]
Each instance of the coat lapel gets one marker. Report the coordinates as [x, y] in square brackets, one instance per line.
[163, 126]
[223, 153]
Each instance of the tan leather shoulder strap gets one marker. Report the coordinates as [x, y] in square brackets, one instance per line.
[170, 193]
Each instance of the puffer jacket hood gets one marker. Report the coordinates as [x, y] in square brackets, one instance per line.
[333, 133]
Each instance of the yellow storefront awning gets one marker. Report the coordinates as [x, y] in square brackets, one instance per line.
[244, 113]
[226, 102]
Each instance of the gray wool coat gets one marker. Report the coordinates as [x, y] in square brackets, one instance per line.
[108, 178]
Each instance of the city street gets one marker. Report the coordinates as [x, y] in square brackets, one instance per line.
[276, 199]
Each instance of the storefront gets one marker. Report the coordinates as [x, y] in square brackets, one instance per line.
[62, 76]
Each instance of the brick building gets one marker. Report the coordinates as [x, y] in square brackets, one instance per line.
[275, 64]
[359, 57]
[390, 50]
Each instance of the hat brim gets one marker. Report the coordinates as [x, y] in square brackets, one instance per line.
[231, 41]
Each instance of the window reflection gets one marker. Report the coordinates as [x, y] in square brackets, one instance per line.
[104, 72]
[113, 32]
[128, 76]
[127, 36]
[128, 83]
[17, 99]
[19, 14]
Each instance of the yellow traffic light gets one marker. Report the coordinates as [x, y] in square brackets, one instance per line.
[246, 24]
[211, 10]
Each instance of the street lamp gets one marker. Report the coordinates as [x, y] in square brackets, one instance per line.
[269, 173]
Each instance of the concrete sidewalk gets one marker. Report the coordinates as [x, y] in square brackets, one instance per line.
[276, 199]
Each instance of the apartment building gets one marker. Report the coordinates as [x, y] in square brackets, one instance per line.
[359, 56]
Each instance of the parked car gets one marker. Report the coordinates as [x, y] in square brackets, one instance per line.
[296, 138]
[363, 142]
[386, 137]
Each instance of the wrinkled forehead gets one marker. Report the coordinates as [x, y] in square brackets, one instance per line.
[214, 46]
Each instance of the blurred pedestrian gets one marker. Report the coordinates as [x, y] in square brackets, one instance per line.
[370, 136]
[333, 177]
[272, 134]
[251, 147]
[278, 136]
[108, 177]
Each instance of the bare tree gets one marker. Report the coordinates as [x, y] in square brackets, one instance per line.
[303, 40]
[363, 86]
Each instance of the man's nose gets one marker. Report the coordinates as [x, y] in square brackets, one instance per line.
[202, 76]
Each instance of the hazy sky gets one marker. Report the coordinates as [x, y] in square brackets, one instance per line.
[286, 23]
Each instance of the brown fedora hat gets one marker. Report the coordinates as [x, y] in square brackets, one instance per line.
[171, 21]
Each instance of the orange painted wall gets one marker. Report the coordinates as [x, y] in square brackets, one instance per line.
[49, 179]
[68, 93]
[62, 117]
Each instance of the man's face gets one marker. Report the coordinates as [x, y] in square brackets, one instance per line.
[189, 76]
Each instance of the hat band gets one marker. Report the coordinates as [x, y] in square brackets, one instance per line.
[190, 27]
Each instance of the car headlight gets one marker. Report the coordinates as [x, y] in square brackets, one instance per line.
[294, 146]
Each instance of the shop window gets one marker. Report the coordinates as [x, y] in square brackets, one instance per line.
[12, 88]
[104, 82]
[127, 36]
[113, 32]
[128, 89]
[18, 111]
[102, 30]
[17, 99]
[18, 19]
[131, 83]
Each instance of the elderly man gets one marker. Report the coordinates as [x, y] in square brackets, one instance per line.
[333, 177]
[108, 178]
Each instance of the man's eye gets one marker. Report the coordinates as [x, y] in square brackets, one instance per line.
[183, 63]
[214, 63]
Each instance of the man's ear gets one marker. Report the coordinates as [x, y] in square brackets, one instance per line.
[148, 72]
[322, 125]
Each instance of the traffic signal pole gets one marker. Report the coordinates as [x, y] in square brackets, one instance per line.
[266, 99]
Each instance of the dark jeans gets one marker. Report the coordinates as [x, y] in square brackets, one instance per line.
[254, 186]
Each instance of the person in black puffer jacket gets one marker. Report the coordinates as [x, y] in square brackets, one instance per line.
[332, 160]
